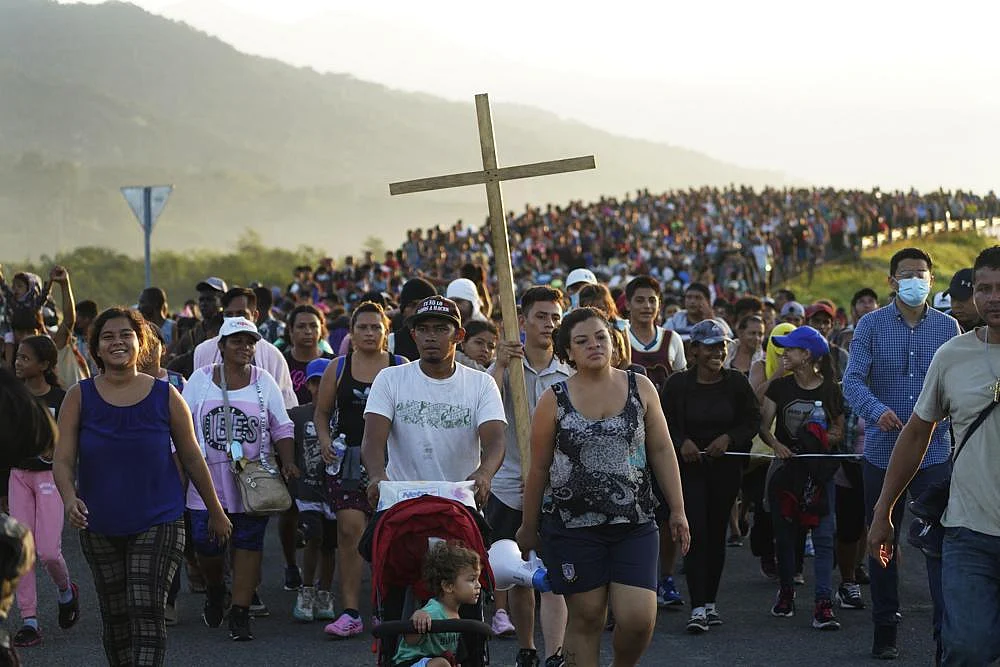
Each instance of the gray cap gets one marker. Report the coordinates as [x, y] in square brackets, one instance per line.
[212, 283]
[793, 308]
[711, 332]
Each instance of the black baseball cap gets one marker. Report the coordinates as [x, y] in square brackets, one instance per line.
[436, 307]
[961, 286]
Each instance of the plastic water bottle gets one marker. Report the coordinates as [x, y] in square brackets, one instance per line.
[818, 415]
[339, 447]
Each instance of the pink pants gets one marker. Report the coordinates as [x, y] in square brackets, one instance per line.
[35, 502]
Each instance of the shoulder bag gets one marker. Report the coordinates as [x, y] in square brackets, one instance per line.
[262, 489]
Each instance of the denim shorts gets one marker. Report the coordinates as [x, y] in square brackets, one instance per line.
[583, 559]
[248, 533]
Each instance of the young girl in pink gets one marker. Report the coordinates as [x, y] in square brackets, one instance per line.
[34, 501]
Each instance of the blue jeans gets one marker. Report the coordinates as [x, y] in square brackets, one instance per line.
[971, 584]
[885, 580]
[786, 542]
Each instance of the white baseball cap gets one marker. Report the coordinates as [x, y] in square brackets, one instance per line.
[238, 325]
[580, 276]
[463, 288]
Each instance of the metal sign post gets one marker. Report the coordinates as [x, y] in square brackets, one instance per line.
[147, 203]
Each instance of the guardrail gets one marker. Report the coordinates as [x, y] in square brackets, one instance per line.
[985, 225]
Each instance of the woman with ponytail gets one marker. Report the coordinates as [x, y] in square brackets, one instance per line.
[32, 497]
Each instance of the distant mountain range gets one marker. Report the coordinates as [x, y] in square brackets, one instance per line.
[95, 97]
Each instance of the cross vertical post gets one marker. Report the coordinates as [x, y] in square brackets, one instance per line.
[505, 280]
[491, 176]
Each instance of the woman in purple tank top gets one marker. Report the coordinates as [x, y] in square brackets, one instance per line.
[120, 484]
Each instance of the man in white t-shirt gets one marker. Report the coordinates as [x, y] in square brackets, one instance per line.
[436, 420]
[962, 380]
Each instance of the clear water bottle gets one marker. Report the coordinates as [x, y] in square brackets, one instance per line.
[818, 415]
[339, 447]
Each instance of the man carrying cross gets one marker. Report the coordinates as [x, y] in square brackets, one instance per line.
[515, 395]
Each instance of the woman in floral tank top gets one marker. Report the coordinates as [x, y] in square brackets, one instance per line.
[595, 440]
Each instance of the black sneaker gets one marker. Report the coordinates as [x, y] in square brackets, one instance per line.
[698, 623]
[239, 624]
[526, 657]
[556, 659]
[257, 607]
[849, 596]
[27, 636]
[784, 605]
[214, 610]
[69, 613]
[884, 643]
[293, 578]
[712, 615]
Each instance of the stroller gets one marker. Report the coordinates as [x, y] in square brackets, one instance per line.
[395, 544]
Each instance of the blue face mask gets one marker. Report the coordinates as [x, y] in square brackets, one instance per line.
[913, 291]
[574, 300]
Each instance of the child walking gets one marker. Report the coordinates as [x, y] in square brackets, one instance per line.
[451, 571]
[34, 501]
[317, 520]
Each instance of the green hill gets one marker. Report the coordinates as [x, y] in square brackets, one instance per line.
[840, 280]
[93, 97]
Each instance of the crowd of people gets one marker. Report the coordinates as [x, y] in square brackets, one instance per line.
[679, 406]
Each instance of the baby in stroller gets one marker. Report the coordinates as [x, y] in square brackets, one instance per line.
[451, 571]
[429, 549]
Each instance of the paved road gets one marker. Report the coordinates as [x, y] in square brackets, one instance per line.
[750, 635]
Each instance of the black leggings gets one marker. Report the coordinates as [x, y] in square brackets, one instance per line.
[710, 489]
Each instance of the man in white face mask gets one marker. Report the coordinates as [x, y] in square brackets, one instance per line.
[891, 351]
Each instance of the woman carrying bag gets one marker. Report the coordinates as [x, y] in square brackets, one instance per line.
[240, 420]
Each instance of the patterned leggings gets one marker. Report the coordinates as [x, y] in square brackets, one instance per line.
[132, 575]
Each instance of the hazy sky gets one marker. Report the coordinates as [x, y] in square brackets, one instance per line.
[848, 93]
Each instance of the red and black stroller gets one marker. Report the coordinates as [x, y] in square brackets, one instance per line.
[395, 545]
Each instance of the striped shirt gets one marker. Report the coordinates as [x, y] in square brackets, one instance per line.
[886, 370]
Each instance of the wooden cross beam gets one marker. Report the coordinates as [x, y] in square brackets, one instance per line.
[490, 176]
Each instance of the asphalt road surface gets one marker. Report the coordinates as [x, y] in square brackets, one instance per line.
[749, 636]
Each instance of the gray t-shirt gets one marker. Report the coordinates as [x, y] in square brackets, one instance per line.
[960, 383]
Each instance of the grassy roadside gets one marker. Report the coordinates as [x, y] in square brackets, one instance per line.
[841, 279]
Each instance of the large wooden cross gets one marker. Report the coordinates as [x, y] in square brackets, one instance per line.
[490, 176]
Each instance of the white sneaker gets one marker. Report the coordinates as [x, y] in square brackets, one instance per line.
[304, 603]
[323, 609]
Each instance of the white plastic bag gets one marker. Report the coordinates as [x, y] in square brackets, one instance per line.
[391, 493]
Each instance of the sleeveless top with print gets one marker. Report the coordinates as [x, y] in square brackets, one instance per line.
[599, 475]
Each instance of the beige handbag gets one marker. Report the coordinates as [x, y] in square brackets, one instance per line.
[262, 489]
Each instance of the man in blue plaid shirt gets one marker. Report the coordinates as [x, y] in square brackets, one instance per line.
[891, 351]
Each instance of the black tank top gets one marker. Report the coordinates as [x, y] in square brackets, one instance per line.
[352, 396]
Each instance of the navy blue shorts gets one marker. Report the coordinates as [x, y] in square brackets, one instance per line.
[248, 533]
[584, 559]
